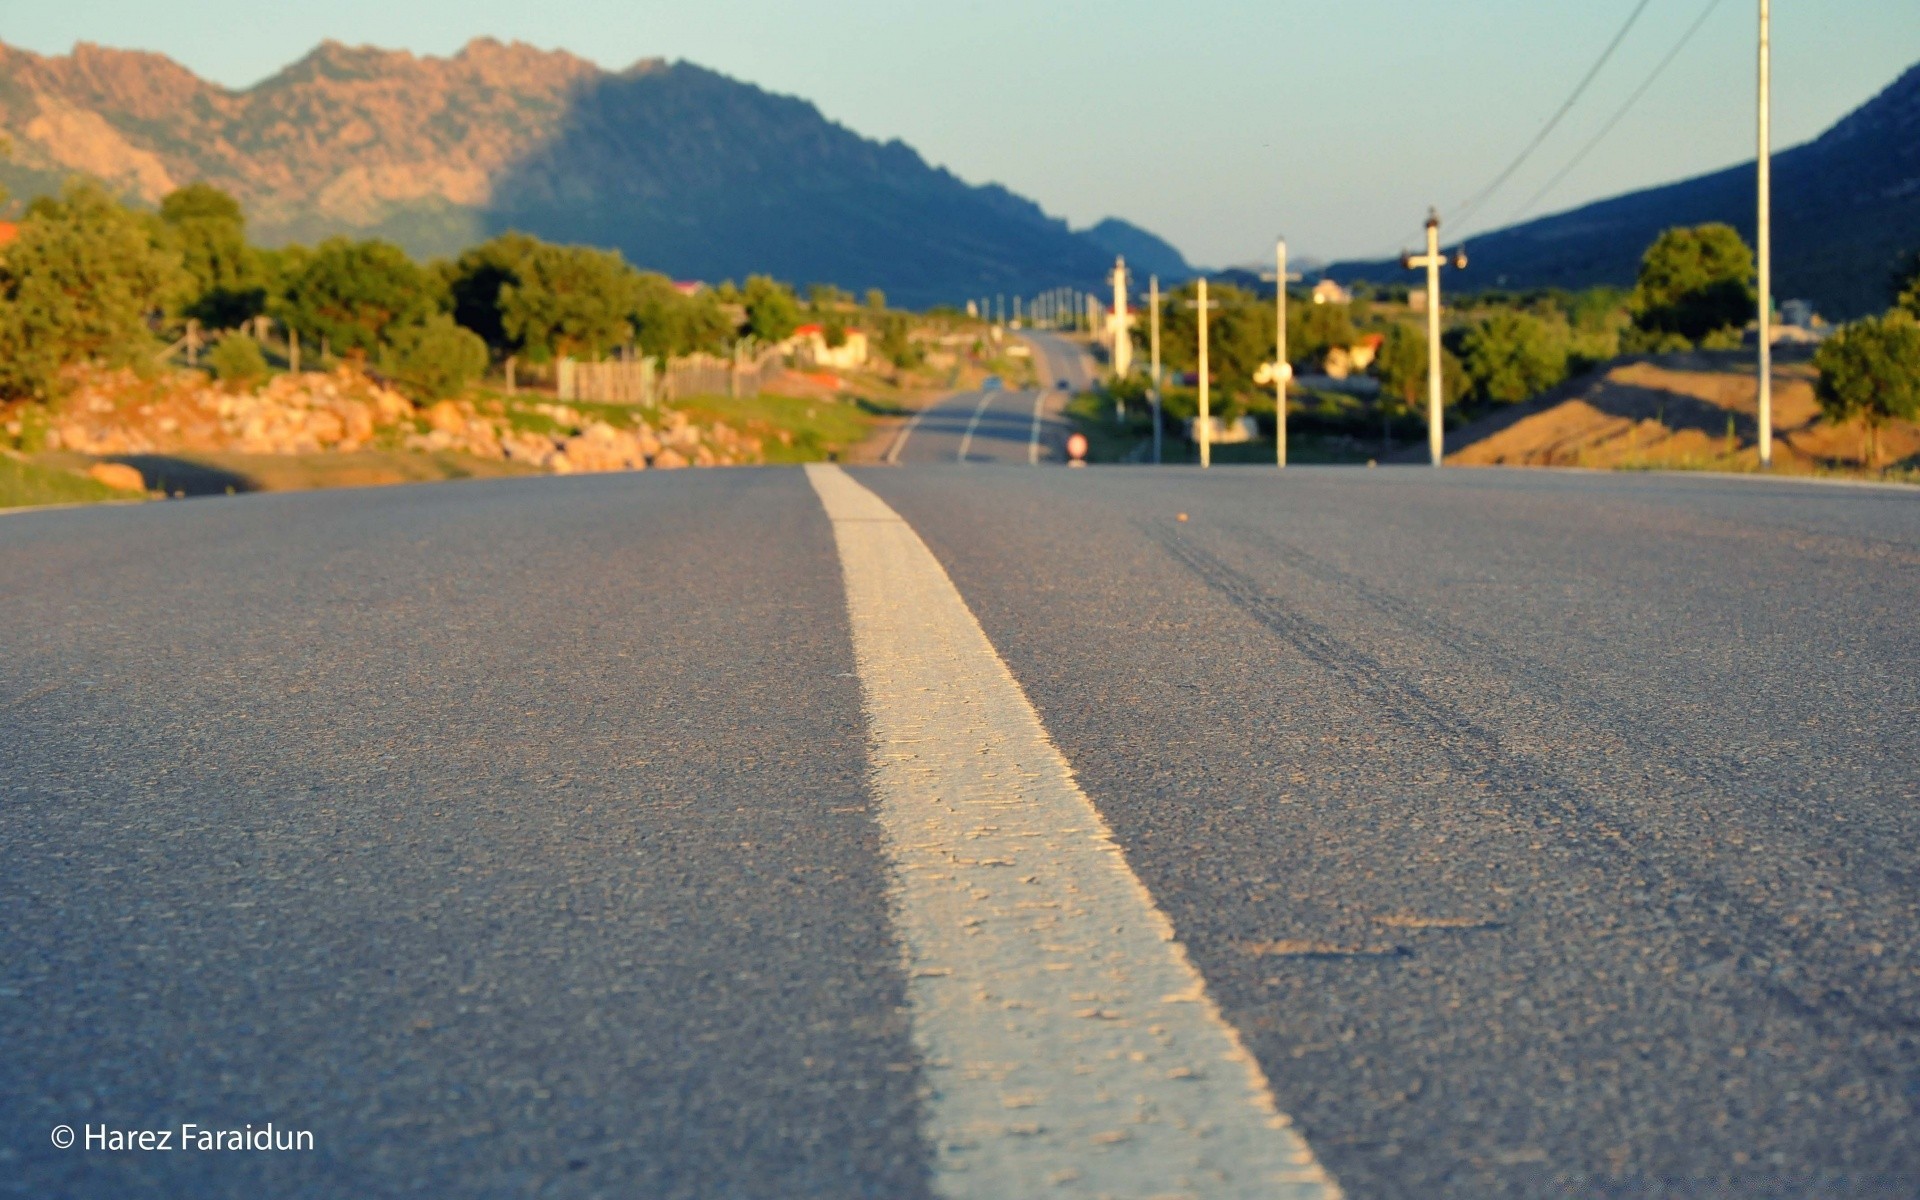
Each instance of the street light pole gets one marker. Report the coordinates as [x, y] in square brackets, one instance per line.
[1433, 260]
[1765, 238]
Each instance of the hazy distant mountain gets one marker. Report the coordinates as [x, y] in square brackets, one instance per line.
[686, 171]
[1146, 254]
[1845, 206]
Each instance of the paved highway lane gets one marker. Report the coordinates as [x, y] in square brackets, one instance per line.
[1545, 834]
[1537, 834]
[512, 840]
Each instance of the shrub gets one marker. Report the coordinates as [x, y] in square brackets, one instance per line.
[1694, 281]
[1870, 370]
[1512, 356]
[236, 359]
[435, 359]
[79, 284]
[353, 293]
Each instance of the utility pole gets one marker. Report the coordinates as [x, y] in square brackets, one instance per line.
[1433, 260]
[1765, 237]
[1206, 408]
[1122, 340]
[1153, 343]
[1282, 369]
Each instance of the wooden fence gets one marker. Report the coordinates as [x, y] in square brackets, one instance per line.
[615, 382]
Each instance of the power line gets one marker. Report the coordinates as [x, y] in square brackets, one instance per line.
[1469, 207]
[1618, 116]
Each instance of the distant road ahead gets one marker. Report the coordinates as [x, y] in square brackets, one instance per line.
[1001, 425]
[671, 835]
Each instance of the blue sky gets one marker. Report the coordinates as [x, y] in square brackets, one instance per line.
[1216, 123]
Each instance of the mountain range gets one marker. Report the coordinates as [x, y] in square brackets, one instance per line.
[1845, 207]
[684, 170]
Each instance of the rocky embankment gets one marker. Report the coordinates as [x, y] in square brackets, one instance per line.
[113, 413]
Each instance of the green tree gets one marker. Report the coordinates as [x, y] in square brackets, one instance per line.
[1239, 333]
[569, 301]
[210, 231]
[1402, 369]
[1694, 282]
[772, 312]
[436, 359]
[876, 300]
[822, 296]
[1512, 356]
[355, 293]
[1906, 284]
[1870, 371]
[236, 358]
[80, 283]
[475, 279]
[667, 323]
[1313, 329]
[896, 344]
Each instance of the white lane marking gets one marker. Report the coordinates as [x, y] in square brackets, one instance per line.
[1033, 444]
[966, 442]
[900, 443]
[1070, 1047]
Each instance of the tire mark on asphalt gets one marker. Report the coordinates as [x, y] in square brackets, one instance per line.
[1421, 710]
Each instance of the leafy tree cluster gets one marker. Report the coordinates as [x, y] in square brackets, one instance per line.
[83, 281]
[1695, 285]
[1870, 372]
[229, 276]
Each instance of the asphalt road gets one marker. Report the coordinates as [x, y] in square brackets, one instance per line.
[1001, 424]
[1539, 834]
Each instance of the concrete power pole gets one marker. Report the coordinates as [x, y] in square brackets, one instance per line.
[1122, 339]
[1206, 411]
[1282, 370]
[1153, 348]
[1765, 238]
[1433, 260]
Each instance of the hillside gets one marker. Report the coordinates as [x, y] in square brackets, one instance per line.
[684, 170]
[1146, 253]
[1692, 410]
[1845, 206]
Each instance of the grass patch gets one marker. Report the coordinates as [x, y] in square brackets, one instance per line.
[793, 429]
[23, 484]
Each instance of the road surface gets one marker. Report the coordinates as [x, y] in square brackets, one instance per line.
[743, 833]
[999, 424]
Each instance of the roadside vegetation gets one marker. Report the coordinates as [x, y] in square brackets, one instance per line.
[1360, 364]
[127, 333]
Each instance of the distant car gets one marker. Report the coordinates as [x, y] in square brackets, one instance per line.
[990, 384]
[1064, 386]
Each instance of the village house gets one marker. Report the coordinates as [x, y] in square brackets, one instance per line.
[1329, 292]
[808, 348]
[1343, 361]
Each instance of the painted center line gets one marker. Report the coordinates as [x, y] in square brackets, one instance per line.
[1070, 1046]
[1033, 444]
[906, 431]
[966, 442]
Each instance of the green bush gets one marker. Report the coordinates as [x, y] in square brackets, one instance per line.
[1512, 356]
[1694, 281]
[436, 359]
[79, 284]
[354, 293]
[236, 359]
[1870, 371]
